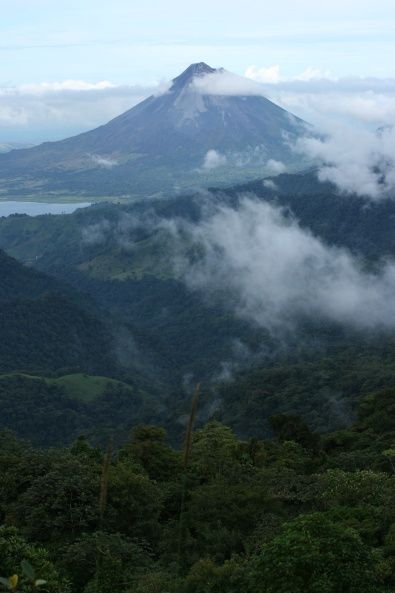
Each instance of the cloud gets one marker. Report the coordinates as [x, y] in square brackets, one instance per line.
[356, 160]
[275, 167]
[104, 162]
[214, 159]
[263, 265]
[270, 74]
[269, 184]
[257, 260]
[320, 106]
[315, 95]
[347, 112]
[64, 85]
[313, 74]
[55, 110]
[96, 233]
[224, 83]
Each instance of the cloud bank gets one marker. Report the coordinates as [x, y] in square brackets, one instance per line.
[51, 111]
[269, 270]
[318, 97]
[356, 160]
[257, 261]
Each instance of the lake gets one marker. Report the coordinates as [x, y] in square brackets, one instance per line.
[36, 208]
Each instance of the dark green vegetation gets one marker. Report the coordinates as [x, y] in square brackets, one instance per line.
[289, 484]
[44, 324]
[116, 306]
[54, 411]
[300, 513]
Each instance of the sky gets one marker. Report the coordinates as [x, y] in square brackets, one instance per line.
[69, 66]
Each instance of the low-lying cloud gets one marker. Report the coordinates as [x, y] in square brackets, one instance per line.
[263, 265]
[214, 159]
[51, 111]
[256, 259]
[106, 163]
[356, 160]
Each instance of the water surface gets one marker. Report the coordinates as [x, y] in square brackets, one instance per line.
[36, 208]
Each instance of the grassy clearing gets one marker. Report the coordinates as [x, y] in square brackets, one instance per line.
[79, 386]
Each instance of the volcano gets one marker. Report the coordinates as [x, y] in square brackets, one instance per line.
[208, 127]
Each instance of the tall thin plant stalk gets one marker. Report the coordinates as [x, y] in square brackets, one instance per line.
[185, 463]
[105, 478]
[103, 497]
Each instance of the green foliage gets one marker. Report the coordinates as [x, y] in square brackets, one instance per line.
[257, 516]
[314, 555]
[122, 561]
[60, 503]
[44, 324]
[148, 447]
[288, 427]
[363, 486]
[18, 557]
[215, 451]
[54, 411]
[207, 577]
[134, 501]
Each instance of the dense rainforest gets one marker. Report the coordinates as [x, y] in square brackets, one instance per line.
[285, 485]
[98, 295]
[301, 512]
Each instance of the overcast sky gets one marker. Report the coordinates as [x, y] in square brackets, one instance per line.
[115, 52]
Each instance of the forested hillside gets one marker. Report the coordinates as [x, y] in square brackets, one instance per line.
[128, 312]
[314, 513]
[44, 327]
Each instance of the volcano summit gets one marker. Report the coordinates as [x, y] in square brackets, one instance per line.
[209, 127]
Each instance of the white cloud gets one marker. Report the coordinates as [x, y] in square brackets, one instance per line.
[269, 183]
[223, 82]
[272, 272]
[275, 167]
[270, 74]
[54, 110]
[356, 160]
[315, 95]
[64, 85]
[323, 106]
[313, 74]
[107, 163]
[214, 159]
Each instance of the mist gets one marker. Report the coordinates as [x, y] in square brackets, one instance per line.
[357, 160]
[267, 269]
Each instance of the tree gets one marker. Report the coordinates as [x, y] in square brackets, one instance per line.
[149, 448]
[61, 503]
[288, 427]
[134, 501]
[314, 555]
[215, 452]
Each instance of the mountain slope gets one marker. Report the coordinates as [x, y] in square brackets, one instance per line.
[124, 262]
[43, 328]
[162, 143]
[120, 256]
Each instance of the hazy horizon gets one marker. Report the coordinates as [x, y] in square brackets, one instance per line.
[69, 68]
